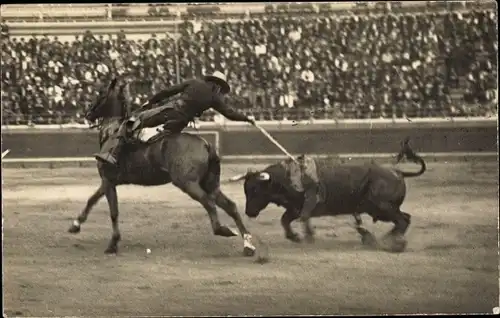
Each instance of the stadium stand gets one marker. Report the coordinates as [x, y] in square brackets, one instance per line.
[284, 62]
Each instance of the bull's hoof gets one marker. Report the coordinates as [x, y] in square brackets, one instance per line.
[294, 237]
[394, 243]
[111, 250]
[248, 251]
[74, 229]
[398, 244]
[367, 239]
[225, 231]
[362, 231]
[309, 239]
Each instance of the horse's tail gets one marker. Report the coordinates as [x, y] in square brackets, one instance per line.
[211, 181]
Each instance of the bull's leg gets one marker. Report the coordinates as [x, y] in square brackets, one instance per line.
[286, 219]
[94, 198]
[397, 242]
[305, 215]
[112, 198]
[308, 231]
[402, 225]
[367, 238]
[232, 210]
[194, 190]
[357, 219]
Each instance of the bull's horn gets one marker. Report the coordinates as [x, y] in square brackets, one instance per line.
[238, 177]
[264, 176]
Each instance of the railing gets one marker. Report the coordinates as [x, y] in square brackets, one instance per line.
[63, 12]
[292, 117]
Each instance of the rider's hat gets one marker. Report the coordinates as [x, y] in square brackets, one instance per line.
[220, 79]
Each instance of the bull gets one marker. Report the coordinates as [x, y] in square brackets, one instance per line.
[320, 187]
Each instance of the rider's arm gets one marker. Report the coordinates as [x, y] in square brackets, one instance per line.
[228, 112]
[168, 92]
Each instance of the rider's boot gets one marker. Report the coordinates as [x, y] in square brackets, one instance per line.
[113, 154]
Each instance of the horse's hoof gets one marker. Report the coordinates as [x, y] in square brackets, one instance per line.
[294, 238]
[111, 250]
[225, 231]
[74, 229]
[248, 252]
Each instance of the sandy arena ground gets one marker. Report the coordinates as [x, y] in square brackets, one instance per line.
[451, 264]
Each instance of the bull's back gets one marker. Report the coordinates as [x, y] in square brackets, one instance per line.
[387, 185]
[343, 183]
[349, 184]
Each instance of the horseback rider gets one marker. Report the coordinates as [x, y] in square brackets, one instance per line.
[196, 96]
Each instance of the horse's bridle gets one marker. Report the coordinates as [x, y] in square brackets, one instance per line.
[102, 97]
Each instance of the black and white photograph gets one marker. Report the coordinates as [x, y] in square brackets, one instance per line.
[249, 159]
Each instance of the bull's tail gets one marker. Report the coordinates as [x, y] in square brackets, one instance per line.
[408, 153]
[211, 180]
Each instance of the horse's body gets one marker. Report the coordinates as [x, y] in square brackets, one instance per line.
[186, 160]
[150, 163]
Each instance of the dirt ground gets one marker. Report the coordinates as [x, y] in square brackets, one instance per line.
[451, 264]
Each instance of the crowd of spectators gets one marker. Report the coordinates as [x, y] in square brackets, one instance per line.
[368, 66]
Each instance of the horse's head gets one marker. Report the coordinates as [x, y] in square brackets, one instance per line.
[109, 104]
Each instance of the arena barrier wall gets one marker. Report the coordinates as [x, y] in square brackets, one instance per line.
[441, 140]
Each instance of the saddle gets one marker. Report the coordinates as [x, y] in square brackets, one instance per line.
[149, 135]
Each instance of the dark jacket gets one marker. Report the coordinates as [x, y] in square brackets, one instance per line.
[196, 97]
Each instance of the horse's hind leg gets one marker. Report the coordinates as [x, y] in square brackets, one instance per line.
[94, 198]
[232, 210]
[112, 198]
[194, 190]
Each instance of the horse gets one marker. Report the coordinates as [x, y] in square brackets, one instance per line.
[186, 160]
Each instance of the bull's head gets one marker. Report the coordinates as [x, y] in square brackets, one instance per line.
[258, 194]
[267, 186]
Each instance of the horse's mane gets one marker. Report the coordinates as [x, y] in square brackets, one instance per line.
[111, 104]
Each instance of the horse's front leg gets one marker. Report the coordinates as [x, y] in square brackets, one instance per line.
[112, 197]
[91, 202]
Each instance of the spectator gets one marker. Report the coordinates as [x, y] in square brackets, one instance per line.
[365, 66]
